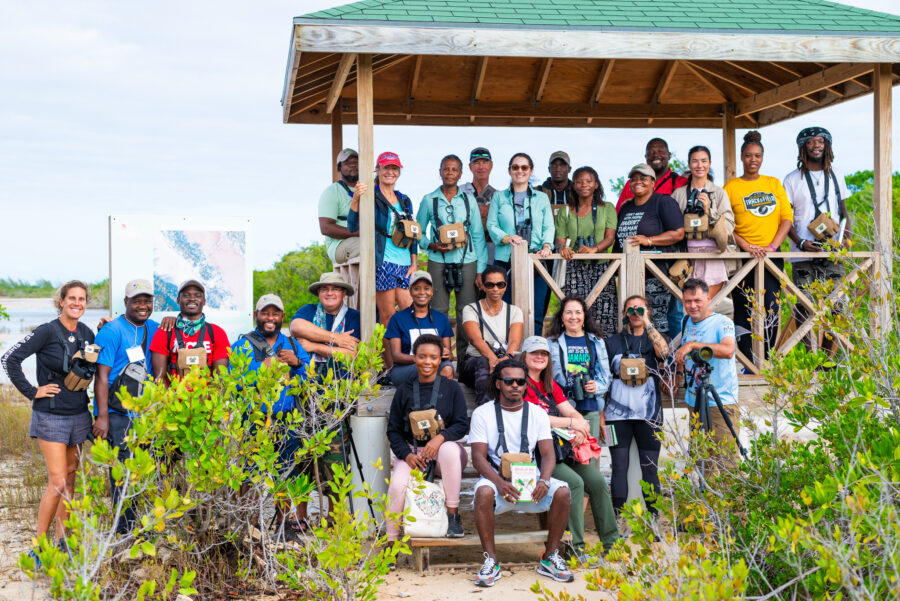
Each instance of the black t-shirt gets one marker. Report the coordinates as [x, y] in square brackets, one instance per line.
[45, 344]
[627, 402]
[450, 405]
[659, 214]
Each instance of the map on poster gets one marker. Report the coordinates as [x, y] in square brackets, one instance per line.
[168, 250]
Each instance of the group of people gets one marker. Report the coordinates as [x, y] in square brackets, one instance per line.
[658, 210]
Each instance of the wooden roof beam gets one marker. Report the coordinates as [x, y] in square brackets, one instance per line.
[413, 83]
[602, 80]
[734, 76]
[725, 89]
[288, 98]
[802, 87]
[340, 79]
[479, 80]
[541, 82]
[662, 85]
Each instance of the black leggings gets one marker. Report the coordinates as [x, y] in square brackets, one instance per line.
[648, 450]
[743, 310]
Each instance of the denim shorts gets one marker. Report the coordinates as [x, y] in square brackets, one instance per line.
[501, 505]
[70, 430]
[390, 276]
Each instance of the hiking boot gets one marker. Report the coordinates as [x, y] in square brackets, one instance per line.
[489, 573]
[554, 566]
[454, 526]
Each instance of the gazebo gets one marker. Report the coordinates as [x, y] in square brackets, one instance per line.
[592, 63]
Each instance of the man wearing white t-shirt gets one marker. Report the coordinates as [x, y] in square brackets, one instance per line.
[815, 188]
[495, 429]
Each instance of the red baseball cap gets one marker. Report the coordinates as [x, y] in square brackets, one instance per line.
[388, 158]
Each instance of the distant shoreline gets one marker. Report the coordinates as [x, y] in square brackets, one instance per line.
[37, 302]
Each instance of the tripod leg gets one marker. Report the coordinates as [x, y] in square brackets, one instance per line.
[359, 466]
[702, 405]
[727, 420]
[346, 461]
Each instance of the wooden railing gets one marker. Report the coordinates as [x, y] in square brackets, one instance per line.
[632, 266]
[350, 272]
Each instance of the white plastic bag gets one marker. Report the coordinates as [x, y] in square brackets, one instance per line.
[426, 504]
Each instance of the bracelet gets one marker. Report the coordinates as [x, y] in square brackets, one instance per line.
[331, 343]
[773, 248]
[571, 421]
[547, 482]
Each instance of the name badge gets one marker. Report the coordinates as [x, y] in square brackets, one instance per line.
[135, 354]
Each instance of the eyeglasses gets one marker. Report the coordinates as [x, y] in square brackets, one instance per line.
[511, 381]
[519, 168]
[492, 285]
[634, 310]
[451, 213]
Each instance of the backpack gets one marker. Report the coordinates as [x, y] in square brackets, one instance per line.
[132, 378]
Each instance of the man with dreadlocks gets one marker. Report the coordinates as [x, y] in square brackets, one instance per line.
[814, 189]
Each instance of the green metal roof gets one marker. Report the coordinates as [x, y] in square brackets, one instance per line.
[779, 16]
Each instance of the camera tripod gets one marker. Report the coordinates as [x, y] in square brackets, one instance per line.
[704, 390]
[359, 465]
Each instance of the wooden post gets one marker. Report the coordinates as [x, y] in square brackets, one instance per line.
[337, 138]
[882, 188]
[758, 321]
[728, 142]
[634, 267]
[522, 274]
[366, 124]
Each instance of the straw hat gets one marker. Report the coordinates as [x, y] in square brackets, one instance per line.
[330, 278]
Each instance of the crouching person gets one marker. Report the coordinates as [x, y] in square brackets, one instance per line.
[438, 400]
[504, 436]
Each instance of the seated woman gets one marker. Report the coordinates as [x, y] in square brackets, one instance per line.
[634, 407]
[443, 447]
[716, 206]
[407, 325]
[546, 394]
[580, 364]
[493, 328]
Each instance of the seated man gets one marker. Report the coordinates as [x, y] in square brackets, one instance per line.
[407, 325]
[507, 426]
[191, 331]
[262, 345]
[329, 327]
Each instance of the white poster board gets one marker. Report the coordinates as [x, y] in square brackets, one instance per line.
[167, 250]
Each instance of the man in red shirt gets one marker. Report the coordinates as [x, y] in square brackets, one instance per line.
[667, 181]
[190, 330]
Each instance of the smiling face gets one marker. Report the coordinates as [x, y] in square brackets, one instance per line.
[699, 164]
[331, 297]
[633, 318]
[658, 156]
[695, 303]
[421, 293]
[428, 360]
[73, 304]
[451, 171]
[481, 168]
[191, 301]
[752, 158]
[573, 316]
[138, 308]
[815, 148]
[520, 170]
[586, 185]
[536, 361]
[269, 320]
[388, 174]
[641, 185]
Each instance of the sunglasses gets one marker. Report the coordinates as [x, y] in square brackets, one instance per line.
[511, 381]
[492, 285]
[519, 168]
[634, 310]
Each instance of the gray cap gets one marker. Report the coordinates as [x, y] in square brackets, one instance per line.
[138, 287]
[196, 283]
[643, 169]
[346, 154]
[420, 275]
[269, 299]
[535, 343]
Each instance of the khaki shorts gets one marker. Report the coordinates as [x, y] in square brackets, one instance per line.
[346, 250]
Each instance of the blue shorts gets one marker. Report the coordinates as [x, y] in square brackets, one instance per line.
[390, 276]
[501, 505]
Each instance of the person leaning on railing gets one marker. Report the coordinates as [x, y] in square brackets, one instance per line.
[653, 221]
[521, 214]
[762, 219]
[720, 218]
[589, 225]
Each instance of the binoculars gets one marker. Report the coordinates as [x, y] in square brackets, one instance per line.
[578, 381]
[693, 203]
[453, 276]
[701, 355]
[582, 241]
[524, 231]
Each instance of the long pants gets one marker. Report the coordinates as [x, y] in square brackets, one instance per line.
[593, 420]
[466, 295]
[743, 309]
[119, 425]
[475, 372]
[722, 435]
[451, 459]
[674, 316]
[583, 479]
[541, 294]
[644, 434]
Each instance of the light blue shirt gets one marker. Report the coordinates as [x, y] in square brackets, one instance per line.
[501, 221]
[714, 329]
[475, 231]
[392, 253]
[114, 340]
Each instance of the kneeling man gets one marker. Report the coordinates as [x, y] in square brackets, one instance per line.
[506, 429]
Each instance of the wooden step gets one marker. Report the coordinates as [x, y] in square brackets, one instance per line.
[421, 546]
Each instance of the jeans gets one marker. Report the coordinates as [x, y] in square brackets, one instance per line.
[675, 316]
[119, 425]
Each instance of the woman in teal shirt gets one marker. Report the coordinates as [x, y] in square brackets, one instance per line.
[521, 214]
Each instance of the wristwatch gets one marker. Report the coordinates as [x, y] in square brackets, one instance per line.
[547, 482]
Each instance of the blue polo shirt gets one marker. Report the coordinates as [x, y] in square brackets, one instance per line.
[351, 321]
[114, 339]
[715, 329]
[285, 401]
[407, 327]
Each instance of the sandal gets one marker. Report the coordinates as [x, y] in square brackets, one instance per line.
[301, 526]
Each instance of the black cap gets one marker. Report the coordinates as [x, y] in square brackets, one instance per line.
[480, 153]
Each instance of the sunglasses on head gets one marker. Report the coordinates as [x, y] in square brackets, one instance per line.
[491, 285]
[516, 381]
[519, 168]
[634, 310]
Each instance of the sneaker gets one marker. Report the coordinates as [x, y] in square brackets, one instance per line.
[33, 554]
[454, 526]
[553, 566]
[489, 573]
[585, 560]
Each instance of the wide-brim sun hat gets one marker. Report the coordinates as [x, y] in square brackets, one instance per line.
[330, 278]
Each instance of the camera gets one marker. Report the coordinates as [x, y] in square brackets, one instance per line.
[693, 202]
[453, 276]
[578, 381]
[701, 355]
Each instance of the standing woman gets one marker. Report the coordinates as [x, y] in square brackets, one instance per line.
[60, 419]
[652, 221]
[580, 363]
[393, 265]
[634, 408]
[589, 224]
[763, 216]
[582, 479]
[521, 214]
[717, 206]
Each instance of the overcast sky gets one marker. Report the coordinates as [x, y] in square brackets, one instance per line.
[111, 107]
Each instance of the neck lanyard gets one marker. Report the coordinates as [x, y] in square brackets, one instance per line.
[412, 311]
[640, 343]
